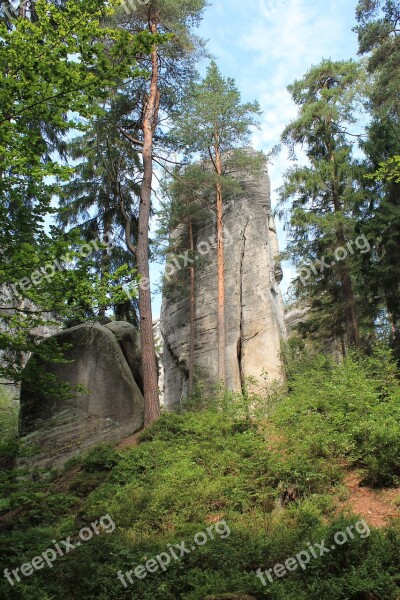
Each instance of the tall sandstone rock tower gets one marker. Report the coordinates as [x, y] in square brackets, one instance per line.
[254, 310]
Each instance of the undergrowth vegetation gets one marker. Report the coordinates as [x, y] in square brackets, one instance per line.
[8, 424]
[350, 410]
[236, 459]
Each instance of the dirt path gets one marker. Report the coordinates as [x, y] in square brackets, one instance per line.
[377, 507]
[133, 440]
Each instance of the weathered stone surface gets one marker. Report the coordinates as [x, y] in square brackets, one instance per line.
[110, 408]
[159, 344]
[129, 340]
[254, 307]
[296, 314]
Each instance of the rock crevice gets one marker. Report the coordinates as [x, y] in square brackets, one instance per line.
[241, 338]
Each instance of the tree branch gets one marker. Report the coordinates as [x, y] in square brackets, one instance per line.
[129, 137]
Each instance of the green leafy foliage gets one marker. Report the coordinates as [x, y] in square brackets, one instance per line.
[194, 469]
[54, 71]
[8, 424]
[348, 410]
[101, 458]
[388, 171]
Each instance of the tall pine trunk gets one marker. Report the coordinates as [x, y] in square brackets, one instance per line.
[351, 317]
[150, 375]
[220, 269]
[349, 305]
[192, 312]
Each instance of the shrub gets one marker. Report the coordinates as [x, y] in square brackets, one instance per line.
[9, 409]
[349, 410]
[101, 458]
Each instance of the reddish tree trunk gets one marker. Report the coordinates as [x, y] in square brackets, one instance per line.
[150, 374]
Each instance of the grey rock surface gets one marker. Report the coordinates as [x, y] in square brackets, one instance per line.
[129, 340]
[295, 315]
[254, 309]
[56, 423]
[159, 344]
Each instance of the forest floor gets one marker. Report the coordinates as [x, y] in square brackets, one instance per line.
[377, 507]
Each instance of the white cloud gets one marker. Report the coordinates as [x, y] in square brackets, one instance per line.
[287, 37]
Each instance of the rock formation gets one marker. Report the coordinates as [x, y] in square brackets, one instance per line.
[59, 419]
[295, 314]
[129, 341]
[254, 306]
[159, 343]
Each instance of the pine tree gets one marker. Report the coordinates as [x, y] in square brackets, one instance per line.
[378, 35]
[324, 193]
[170, 66]
[212, 123]
[91, 201]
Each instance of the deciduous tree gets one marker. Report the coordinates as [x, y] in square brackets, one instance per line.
[53, 71]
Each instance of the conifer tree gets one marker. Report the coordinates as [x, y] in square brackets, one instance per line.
[157, 97]
[91, 200]
[379, 35]
[324, 193]
[212, 123]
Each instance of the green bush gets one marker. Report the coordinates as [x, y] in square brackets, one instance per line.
[101, 458]
[349, 410]
[193, 469]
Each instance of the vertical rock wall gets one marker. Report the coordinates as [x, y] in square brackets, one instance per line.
[254, 308]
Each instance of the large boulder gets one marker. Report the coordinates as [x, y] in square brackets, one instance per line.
[129, 340]
[295, 315]
[90, 397]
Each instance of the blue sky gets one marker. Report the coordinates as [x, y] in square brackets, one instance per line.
[265, 45]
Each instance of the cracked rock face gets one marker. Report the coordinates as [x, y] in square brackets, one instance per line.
[254, 310]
